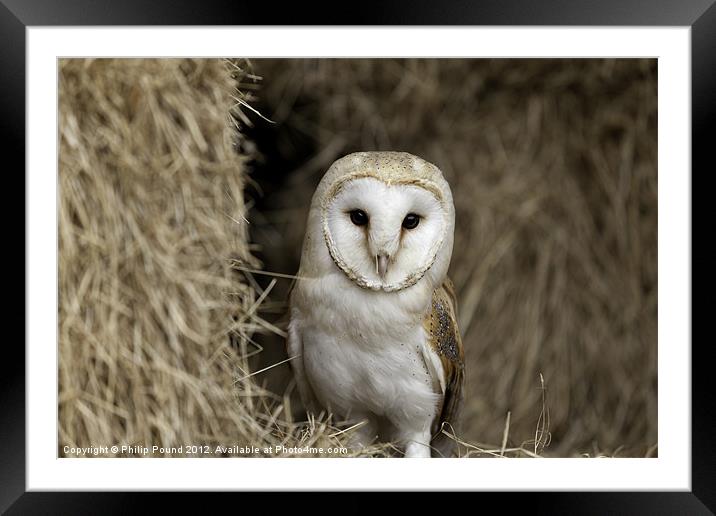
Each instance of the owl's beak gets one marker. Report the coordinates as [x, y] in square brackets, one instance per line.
[381, 262]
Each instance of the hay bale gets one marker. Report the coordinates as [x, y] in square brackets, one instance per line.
[553, 170]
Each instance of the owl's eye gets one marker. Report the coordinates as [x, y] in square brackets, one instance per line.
[411, 221]
[359, 217]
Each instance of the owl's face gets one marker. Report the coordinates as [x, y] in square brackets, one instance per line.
[385, 235]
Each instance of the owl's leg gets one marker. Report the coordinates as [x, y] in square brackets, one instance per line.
[417, 444]
[413, 434]
[365, 431]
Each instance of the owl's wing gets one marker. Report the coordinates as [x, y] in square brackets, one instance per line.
[444, 340]
[294, 350]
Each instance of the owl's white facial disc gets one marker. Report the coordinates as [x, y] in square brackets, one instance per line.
[371, 231]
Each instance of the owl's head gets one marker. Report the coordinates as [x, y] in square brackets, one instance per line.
[387, 219]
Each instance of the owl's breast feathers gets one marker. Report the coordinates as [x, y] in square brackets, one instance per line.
[440, 323]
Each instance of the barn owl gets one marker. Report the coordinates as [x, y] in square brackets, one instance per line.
[373, 337]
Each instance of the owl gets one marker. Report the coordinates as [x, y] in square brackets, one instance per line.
[373, 337]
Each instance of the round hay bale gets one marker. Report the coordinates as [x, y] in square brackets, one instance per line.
[151, 209]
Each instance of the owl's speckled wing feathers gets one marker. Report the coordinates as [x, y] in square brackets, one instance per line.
[444, 339]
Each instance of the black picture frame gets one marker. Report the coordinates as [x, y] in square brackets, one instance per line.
[17, 15]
